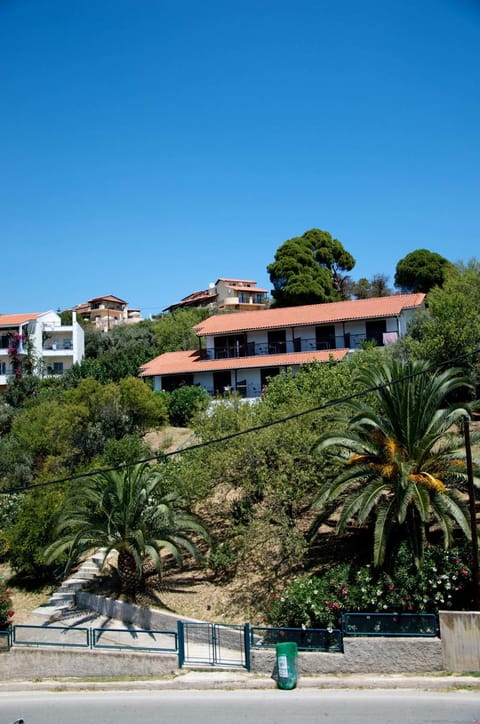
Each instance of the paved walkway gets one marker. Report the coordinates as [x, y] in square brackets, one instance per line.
[69, 627]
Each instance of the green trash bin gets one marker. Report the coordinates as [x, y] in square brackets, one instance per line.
[286, 665]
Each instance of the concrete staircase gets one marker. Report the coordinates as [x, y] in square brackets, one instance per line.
[63, 600]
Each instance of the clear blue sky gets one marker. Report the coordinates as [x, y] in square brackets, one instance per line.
[148, 147]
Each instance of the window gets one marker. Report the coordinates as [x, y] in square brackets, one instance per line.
[234, 345]
[325, 336]
[375, 330]
[277, 342]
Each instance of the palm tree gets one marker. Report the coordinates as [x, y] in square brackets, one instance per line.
[401, 464]
[125, 511]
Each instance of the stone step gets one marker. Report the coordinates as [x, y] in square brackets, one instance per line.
[62, 599]
[51, 612]
[85, 573]
[73, 584]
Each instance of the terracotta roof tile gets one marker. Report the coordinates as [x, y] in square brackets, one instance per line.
[308, 314]
[190, 361]
[13, 320]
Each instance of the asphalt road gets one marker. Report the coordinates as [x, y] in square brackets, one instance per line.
[239, 707]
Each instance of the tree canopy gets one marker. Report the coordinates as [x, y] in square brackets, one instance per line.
[449, 329]
[309, 269]
[365, 288]
[420, 271]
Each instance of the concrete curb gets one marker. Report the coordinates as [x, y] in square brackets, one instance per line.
[226, 680]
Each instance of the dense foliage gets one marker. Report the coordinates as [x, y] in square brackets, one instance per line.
[32, 529]
[185, 402]
[449, 330]
[253, 490]
[444, 582]
[402, 466]
[309, 269]
[420, 271]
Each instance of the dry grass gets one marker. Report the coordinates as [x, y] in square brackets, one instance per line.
[24, 600]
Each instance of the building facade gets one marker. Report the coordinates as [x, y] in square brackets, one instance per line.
[226, 294]
[239, 352]
[107, 312]
[39, 343]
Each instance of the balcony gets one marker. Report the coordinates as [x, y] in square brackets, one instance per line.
[261, 349]
[55, 345]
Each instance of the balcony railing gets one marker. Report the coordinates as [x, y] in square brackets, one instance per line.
[261, 349]
[57, 344]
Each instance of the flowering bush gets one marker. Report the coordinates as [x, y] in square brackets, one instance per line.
[6, 611]
[444, 582]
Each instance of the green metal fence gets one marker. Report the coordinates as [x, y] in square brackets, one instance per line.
[5, 640]
[134, 639]
[390, 624]
[29, 635]
[94, 638]
[213, 644]
[310, 639]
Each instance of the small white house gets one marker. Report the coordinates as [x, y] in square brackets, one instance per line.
[41, 340]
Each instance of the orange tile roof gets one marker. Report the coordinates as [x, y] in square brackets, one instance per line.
[107, 297]
[171, 363]
[14, 320]
[308, 314]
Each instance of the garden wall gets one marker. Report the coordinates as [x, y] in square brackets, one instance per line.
[30, 664]
[365, 655]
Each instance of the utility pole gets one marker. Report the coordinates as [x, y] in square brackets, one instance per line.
[473, 516]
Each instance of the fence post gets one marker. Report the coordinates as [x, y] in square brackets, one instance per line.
[246, 643]
[181, 644]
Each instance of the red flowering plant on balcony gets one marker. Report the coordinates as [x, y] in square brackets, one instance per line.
[6, 610]
[13, 352]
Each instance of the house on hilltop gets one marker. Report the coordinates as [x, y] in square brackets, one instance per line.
[40, 343]
[107, 311]
[240, 351]
[226, 295]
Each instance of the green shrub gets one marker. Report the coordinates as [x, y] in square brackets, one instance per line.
[32, 531]
[129, 449]
[185, 402]
[222, 560]
[444, 582]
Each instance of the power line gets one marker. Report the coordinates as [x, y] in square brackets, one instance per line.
[225, 438]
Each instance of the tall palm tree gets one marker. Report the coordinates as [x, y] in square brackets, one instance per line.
[125, 511]
[401, 464]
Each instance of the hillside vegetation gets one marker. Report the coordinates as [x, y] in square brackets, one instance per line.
[288, 533]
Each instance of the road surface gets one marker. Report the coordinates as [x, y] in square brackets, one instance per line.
[239, 707]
